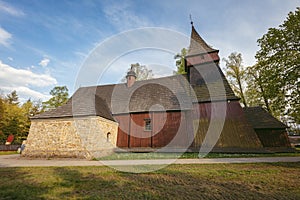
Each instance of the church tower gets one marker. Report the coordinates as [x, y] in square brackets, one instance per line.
[203, 70]
[199, 51]
[213, 92]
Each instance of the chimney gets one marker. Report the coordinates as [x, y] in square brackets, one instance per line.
[131, 76]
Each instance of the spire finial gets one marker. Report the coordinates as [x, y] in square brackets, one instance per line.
[191, 19]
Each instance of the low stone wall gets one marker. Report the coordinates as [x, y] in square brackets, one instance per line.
[87, 137]
[11, 147]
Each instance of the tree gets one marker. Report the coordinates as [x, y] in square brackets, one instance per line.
[141, 71]
[15, 118]
[236, 75]
[255, 92]
[13, 98]
[59, 97]
[14, 122]
[180, 61]
[1, 115]
[278, 61]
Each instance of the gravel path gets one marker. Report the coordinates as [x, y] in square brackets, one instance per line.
[16, 161]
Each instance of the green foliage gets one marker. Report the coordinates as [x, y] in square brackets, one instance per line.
[1, 115]
[256, 88]
[236, 74]
[180, 61]
[14, 118]
[59, 97]
[13, 98]
[278, 67]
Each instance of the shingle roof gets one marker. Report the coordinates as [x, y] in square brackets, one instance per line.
[212, 86]
[198, 45]
[82, 103]
[167, 93]
[259, 118]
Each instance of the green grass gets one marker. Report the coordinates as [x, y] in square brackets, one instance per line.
[139, 156]
[211, 181]
[249, 155]
[151, 155]
[8, 152]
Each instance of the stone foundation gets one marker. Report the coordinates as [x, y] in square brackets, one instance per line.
[89, 137]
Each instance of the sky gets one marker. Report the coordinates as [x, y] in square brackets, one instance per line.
[51, 43]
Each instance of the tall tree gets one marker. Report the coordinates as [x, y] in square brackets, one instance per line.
[256, 92]
[59, 97]
[15, 118]
[279, 66]
[13, 98]
[236, 75]
[1, 115]
[141, 71]
[14, 122]
[180, 61]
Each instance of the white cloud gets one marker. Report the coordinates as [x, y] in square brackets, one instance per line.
[25, 93]
[13, 76]
[10, 10]
[44, 62]
[10, 58]
[122, 16]
[4, 37]
[22, 80]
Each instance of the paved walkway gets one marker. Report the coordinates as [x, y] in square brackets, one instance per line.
[16, 161]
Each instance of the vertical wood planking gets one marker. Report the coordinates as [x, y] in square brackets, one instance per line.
[123, 130]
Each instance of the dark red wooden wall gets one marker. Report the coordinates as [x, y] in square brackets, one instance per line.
[188, 128]
[168, 129]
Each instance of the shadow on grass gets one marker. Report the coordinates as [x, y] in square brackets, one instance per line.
[292, 165]
[84, 183]
[170, 184]
[223, 181]
[17, 183]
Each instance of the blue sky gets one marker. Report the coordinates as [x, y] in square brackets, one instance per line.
[49, 43]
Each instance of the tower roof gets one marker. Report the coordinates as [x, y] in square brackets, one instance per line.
[131, 73]
[197, 44]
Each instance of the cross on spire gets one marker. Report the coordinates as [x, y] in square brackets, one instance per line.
[191, 19]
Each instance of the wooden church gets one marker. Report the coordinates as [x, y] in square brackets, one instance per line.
[198, 110]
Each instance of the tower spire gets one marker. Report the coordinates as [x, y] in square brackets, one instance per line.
[197, 44]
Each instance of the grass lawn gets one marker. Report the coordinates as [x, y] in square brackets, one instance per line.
[212, 181]
[151, 155]
[8, 152]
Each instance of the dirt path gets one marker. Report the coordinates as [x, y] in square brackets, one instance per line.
[16, 161]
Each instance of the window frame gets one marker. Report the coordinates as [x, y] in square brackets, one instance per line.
[147, 124]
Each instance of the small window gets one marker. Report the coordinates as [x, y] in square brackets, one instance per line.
[148, 125]
[108, 137]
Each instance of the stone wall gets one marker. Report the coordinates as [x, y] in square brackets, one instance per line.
[88, 137]
[11, 147]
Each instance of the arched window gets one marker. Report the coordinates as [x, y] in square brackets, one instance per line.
[108, 135]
